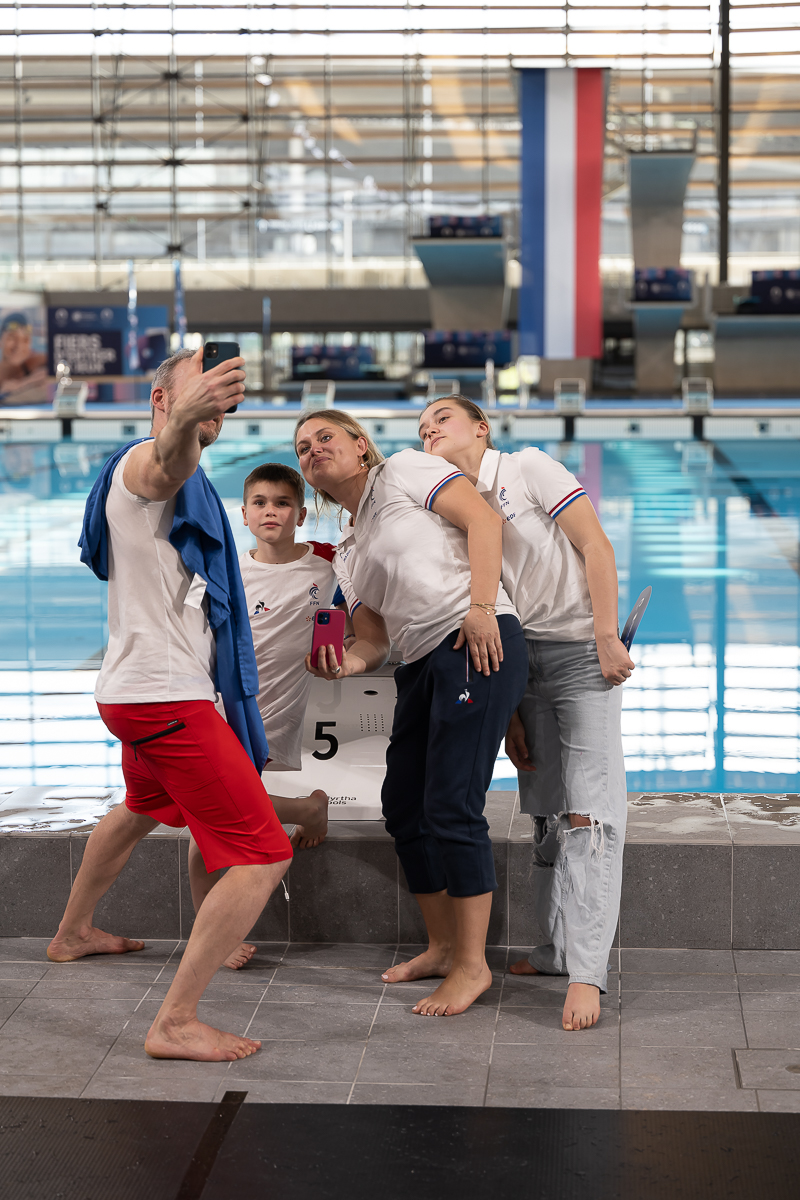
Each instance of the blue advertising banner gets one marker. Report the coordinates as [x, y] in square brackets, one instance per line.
[93, 341]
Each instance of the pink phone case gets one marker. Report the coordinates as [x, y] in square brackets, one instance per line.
[329, 633]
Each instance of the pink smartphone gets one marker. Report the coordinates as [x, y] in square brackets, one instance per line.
[329, 626]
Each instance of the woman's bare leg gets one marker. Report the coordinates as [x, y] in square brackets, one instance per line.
[440, 922]
[469, 975]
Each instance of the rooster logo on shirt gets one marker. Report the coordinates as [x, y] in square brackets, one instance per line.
[259, 608]
[464, 697]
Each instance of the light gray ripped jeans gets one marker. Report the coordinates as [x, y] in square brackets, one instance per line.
[571, 716]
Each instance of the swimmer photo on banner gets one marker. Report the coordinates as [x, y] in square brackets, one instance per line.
[23, 349]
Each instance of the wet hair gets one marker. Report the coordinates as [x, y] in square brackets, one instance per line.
[336, 416]
[473, 411]
[276, 473]
[165, 372]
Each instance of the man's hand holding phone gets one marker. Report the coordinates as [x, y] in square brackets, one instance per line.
[208, 394]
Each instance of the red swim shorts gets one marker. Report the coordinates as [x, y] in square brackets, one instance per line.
[184, 765]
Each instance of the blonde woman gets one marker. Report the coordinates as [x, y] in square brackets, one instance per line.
[419, 565]
[565, 739]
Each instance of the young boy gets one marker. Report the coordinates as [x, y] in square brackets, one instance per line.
[285, 582]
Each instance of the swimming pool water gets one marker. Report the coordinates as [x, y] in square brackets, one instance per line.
[715, 529]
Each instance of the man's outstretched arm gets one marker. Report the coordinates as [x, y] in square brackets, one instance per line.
[157, 470]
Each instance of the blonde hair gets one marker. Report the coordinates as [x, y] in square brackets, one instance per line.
[473, 411]
[336, 416]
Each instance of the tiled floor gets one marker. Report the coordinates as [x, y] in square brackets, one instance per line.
[681, 1029]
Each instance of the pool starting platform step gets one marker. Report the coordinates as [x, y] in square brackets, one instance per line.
[701, 870]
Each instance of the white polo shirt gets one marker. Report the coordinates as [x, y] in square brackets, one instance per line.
[160, 645]
[542, 571]
[403, 560]
[281, 600]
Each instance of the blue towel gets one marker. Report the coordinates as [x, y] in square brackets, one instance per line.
[202, 536]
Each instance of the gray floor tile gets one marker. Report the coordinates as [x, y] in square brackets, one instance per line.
[756, 1003]
[767, 962]
[679, 982]
[500, 1096]
[339, 955]
[15, 989]
[323, 993]
[769, 983]
[285, 1091]
[767, 1030]
[304, 1022]
[53, 988]
[583, 1063]
[543, 1026]
[690, 1099]
[419, 1093]
[673, 961]
[13, 971]
[773, 1069]
[8, 1006]
[677, 1068]
[775, 1101]
[43, 1085]
[319, 1059]
[327, 977]
[682, 1019]
[220, 990]
[23, 949]
[425, 1061]
[121, 1087]
[61, 1037]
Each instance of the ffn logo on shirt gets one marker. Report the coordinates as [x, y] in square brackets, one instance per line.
[313, 594]
[504, 503]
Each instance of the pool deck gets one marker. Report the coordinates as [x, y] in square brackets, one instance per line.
[703, 1008]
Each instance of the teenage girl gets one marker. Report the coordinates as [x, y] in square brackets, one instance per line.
[419, 565]
[564, 739]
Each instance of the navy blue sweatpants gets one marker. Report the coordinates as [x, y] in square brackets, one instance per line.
[449, 722]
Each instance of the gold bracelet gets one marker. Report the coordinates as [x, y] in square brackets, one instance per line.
[489, 609]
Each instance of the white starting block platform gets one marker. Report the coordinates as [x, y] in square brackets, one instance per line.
[345, 736]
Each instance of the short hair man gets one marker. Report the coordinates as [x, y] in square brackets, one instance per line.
[183, 764]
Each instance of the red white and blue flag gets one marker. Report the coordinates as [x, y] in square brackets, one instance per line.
[563, 134]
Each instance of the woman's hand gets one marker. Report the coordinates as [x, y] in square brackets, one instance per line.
[516, 745]
[481, 631]
[329, 667]
[615, 662]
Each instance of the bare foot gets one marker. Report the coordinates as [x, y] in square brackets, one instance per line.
[67, 947]
[581, 1007]
[458, 991]
[240, 957]
[435, 962]
[196, 1041]
[314, 829]
[523, 967]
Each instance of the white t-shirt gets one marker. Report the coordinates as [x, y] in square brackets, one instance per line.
[281, 600]
[403, 560]
[160, 645]
[543, 572]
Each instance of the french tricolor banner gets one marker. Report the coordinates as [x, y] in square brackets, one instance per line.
[563, 134]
